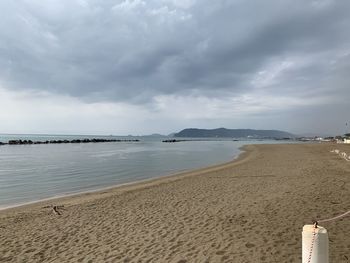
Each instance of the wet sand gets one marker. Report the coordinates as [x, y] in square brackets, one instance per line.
[249, 210]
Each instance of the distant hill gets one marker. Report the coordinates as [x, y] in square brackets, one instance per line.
[233, 133]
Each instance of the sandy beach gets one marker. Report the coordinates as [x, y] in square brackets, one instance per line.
[249, 210]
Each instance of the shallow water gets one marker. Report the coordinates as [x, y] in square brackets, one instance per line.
[33, 172]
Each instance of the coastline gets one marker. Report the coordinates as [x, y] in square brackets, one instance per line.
[43, 172]
[134, 184]
[251, 209]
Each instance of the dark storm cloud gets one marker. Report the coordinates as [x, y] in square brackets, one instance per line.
[135, 50]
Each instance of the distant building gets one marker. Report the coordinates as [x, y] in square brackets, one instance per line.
[347, 140]
[339, 140]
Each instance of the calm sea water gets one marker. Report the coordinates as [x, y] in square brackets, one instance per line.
[34, 172]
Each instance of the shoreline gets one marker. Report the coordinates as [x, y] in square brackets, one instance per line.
[138, 183]
[251, 209]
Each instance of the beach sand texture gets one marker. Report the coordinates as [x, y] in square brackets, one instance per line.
[250, 210]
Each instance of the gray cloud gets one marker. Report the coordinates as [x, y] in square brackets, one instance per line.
[134, 51]
[138, 49]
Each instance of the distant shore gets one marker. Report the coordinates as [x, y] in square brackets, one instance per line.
[248, 210]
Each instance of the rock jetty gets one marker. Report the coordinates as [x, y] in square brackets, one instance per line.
[25, 142]
[173, 140]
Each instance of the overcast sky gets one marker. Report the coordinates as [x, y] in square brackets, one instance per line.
[158, 66]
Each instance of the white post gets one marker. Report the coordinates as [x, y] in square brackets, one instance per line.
[315, 243]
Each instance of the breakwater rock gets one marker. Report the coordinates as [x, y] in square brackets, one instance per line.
[173, 140]
[25, 142]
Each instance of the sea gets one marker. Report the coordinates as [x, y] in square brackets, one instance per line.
[30, 173]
